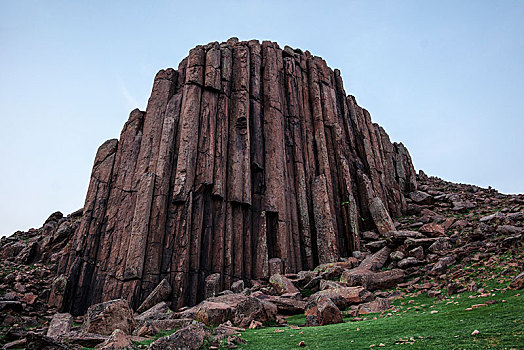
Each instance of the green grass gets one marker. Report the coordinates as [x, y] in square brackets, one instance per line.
[155, 337]
[501, 326]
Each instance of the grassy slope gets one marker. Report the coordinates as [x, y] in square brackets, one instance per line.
[501, 326]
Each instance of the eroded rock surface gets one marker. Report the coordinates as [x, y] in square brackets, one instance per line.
[245, 153]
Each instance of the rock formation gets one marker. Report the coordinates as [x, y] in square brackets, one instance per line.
[247, 152]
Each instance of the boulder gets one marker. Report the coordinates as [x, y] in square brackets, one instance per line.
[401, 235]
[303, 278]
[417, 253]
[212, 285]
[421, 198]
[104, 318]
[396, 255]
[375, 261]
[373, 280]
[370, 235]
[432, 229]
[345, 296]
[237, 308]
[288, 306]
[493, 217]
[40, 342]
[409, 262]
[327, 284]
[440, 246]
[118, 340]
[282, 284]
[237, 286]
[518, 216]
[58, 289]
[463, 205]
[161, 292]
[375, 245]
[517, 282]
[415, 242]
[509, 229]
[347, 264]
[321, 310]
[377, 305]
[380, 216]
[190, 338]
[441, 265]
[276, 267]
[60, 325]
[160, 310]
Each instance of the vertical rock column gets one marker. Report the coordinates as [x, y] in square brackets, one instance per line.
[246, 154]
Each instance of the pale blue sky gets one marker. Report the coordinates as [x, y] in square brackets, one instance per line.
[444, 77]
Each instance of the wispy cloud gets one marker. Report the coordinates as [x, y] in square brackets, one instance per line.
[132, 103]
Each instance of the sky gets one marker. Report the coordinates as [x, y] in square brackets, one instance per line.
[446, 78]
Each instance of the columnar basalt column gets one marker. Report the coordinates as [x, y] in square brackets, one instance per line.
[246, 152]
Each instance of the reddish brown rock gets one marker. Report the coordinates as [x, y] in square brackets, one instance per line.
[104, 318]
[373, 280]
[282, 284]
[381, 216]
[190, 337]
[432, 229]
[321, 311]
[60, 325]
[118, 340]
[246, 153]
[159, 294]
[517, 282]
[345, 296]
[375, 261]
[237, 308]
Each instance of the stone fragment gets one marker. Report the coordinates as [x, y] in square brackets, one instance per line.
[396, 255]
[321, 311]
[159, 294]
[517, 282]
[40, 342]
[380, 216]
[518, 216]
[375, 261]
[408, 262]
[118, 340]
[441, 265]
[415, 242]
[440, 246]
[190, 337]
[237, 286]
[509, 230]
[376, 245]
[432, 229]
[60, 325]
[345, 296]
[160, 308]
[417, 253]
[496, 216]
[420, 197]
[373, 280]
[275, 266]
[370, 235]
[237, 308]
[212, 285]
[377, 305]
[282, 284]
[105, 317]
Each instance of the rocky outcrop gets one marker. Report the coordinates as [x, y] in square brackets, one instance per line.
[247, 152]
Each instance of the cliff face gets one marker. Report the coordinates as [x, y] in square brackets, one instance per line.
[247, 152]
